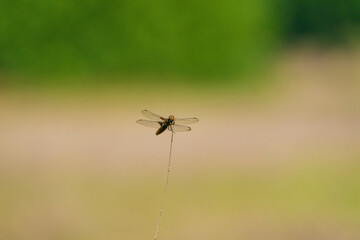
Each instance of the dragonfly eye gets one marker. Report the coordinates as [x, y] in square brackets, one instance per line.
[171, 117]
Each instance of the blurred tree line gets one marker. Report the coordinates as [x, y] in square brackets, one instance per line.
[183, 38]
[325, 21]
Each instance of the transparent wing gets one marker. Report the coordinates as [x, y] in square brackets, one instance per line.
[151, 115]
[149, 123]
[186, 121]
[180, 128]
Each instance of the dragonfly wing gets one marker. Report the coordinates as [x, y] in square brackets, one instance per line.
[180, 128]
[148, 123]
[186, 120]
[151, 115]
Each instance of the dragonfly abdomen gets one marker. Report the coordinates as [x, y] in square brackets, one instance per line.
[162, 128]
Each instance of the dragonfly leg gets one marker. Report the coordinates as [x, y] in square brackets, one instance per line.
[171, 129]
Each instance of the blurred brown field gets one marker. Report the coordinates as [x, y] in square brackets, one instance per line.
[279, 161]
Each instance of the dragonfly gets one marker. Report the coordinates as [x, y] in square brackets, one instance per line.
[171, 123]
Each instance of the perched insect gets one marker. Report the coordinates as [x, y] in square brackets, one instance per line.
[171, 123]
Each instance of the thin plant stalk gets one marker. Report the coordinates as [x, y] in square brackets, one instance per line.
[165, 189]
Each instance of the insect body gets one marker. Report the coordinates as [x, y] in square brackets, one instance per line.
[167, 123]
[171, 123]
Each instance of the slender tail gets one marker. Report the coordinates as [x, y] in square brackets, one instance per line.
[165, 189]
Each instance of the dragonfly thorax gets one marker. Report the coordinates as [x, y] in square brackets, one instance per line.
[171, 120]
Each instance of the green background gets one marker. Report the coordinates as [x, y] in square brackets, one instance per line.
[197, 41]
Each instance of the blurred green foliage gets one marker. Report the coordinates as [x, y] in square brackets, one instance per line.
[326, 21]
[197, 39]
[161, 37]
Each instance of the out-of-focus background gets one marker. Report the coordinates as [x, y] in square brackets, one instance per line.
[275, 84]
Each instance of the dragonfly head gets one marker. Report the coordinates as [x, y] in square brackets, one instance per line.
[171, 118]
